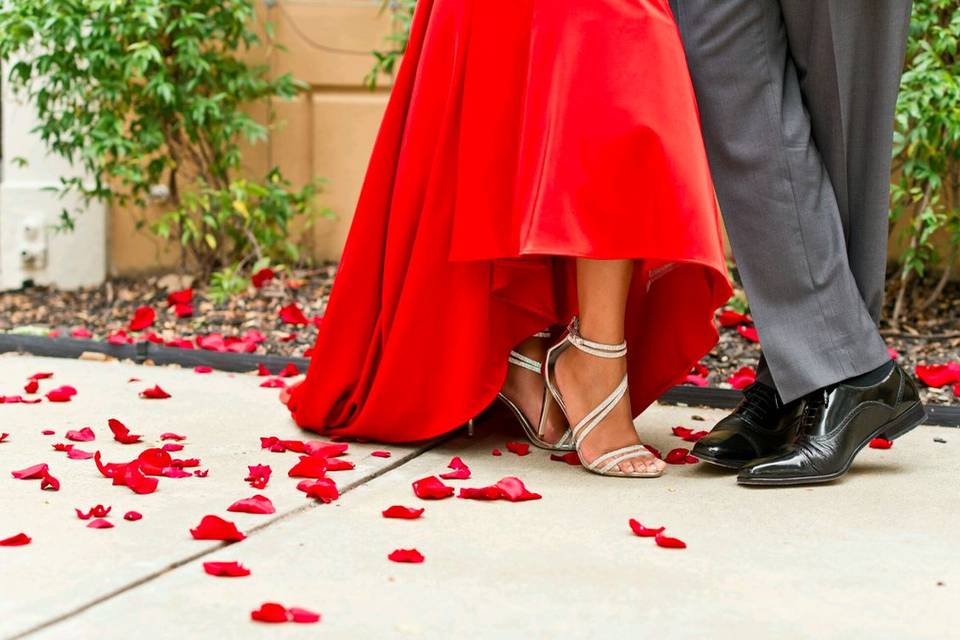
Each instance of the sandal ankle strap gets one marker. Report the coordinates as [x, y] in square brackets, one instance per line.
[598, 349]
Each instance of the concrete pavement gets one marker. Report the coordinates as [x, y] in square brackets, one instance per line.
[873, 555]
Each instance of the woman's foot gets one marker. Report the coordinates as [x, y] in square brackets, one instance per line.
[584, 382]
[525, 388]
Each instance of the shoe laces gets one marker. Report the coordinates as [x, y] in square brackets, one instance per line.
[760, 401]
[812, 409]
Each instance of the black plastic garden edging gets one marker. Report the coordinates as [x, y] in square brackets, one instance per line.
[939, 415]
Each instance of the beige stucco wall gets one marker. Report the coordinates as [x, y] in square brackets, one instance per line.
[327, 132]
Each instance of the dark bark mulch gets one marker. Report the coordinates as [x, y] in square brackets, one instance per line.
[931, 337]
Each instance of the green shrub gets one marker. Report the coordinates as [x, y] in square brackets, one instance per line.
[148, 94]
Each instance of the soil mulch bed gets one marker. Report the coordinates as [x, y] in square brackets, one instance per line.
[929, 338]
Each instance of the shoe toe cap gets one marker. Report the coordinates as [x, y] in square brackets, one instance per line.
[725, 446]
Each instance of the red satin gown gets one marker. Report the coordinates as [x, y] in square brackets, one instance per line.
[519, 135]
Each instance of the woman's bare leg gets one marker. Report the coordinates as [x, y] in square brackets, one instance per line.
[585, 380]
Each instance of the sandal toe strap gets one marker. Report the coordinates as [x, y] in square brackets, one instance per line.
[599, 413]
[609, 460]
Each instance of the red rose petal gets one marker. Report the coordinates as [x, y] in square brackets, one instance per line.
[881, 443]
[654, 451]
[289, 371]
[172, 436]
[184, 296]
[262, 277]
[99, 511]
[262, 370]
[202, 369]
[138, 483]
[939, 375]
[402, 513]
[80, 332]
[411, 556]
[338, 464]
[154, 461]
[293, 314]
[496, 452]
[514, 490]
[83, 435]
[894, 354]
[325, 489]
[132, 516]
[154, 393]
[201, 474]
[119, 337]
[743, 378]
[681, 432]
[175, 473]
[216, 528]
[260, 505]
[569, 457]
[324, 449]
[677, 456]
[61, 394]
[273, 383]
[183, 310]
[35, 472]
[375, 454]
[259, 476]
[270, 612]
[49, 482]
[519, 448]
[32, 386]
[111, 470]
[431, 488]
[46, 432]
[303, 616]
[17, 540]
[172, 447]
[41, 375]
[696, 380]
[460, 470]
[730, 318]
[226, 569]
[4, 436]
[143, 317]
[100, 523]
[492, 492]
[121, 433]
[644, 532]
[956, 389]
[78, 454]
[669, 543]
[749, 333]
[309, 467]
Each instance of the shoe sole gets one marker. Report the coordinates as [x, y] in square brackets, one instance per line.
[899, 426]
[735, 465]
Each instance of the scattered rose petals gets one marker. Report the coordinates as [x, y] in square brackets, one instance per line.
[519, 448]
[154, 461]
[274, 383]
[260, 505]
[881, 443]
[132, 516]
[184, 296]
[175, 473]
[121, 433]
[743, 378]
[80, 332]
[49, 482]
[15, 541]
[259, 476]
[653, 451]
[143, 317]
[375, 454]
[226, 569]
[309, 467]
[138, 483]
[460, 470]
[402, 513]
[78, 454]
[262, 370]
[119, 338]
[293, 314]
[100, 523]
[41, 375]
[492, 492]
[680, 456]
[431, 488]
[749, 333]
[569, 457]
[202, 369]
[338, 464]
[172, 436]
[154, 393]
[201, 474]
[4, 436]
[183, 310]
[324, 489]
[216, 528]
[324, 449]
[31, 387]
[270, 612]
[894, 354]
[303, 616]
[956, 389]
[496, 452]
[82, 435]
[696, 380]
[411, 556]
[172, 447]
[514, 490]
[46, 432]
[669, 543]
[644, 532]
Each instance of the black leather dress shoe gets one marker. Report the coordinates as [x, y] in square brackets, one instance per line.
[758, 427]
[835, 425]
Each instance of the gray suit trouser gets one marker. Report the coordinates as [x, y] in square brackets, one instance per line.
[797, 101]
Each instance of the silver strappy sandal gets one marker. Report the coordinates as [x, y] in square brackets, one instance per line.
[608, 463]
[535, 435]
